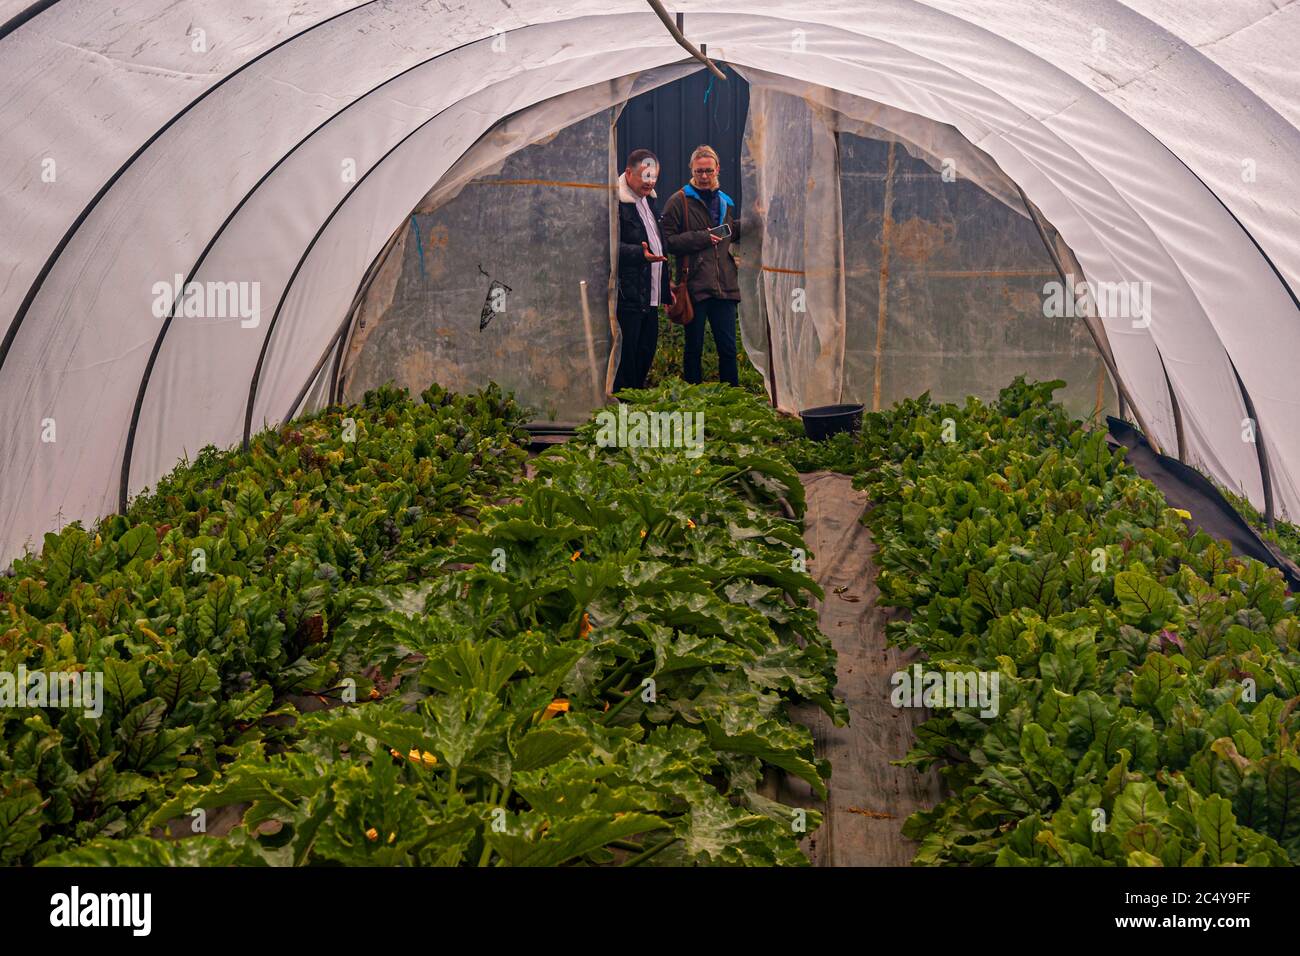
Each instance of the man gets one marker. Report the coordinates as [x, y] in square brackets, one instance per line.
[712, 278]
[642, 277]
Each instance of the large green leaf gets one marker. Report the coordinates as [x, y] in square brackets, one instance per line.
[1142, 597]
[463, 723]
[138, 544]
[122, 682]
[739, 731]
[486, 666]
[20, 821]
[547, 744]
[532, 840]
[1216, 825]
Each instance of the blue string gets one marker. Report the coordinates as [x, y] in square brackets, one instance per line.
[708, 89]
[419, 246]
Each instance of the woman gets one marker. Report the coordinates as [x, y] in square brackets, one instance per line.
[642, 276]
[706, 259]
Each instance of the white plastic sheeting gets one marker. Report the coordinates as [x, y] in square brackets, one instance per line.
[1158, 137]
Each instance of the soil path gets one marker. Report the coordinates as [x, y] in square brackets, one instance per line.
[869, 797]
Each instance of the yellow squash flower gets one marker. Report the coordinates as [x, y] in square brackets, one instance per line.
[416, 756]
[422, 756]
[558, 706]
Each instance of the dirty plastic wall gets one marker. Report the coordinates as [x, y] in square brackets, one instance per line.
[964, 279]
[962, 267]
[489, 288]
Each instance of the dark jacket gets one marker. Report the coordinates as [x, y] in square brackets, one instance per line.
[685, 224]
[633, 269]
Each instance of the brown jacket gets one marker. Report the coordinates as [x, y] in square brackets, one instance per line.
[684, 226]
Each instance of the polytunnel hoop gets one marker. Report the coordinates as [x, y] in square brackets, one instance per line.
[1266, 478]
[270, 331]
[77, 223]
[1036, 216]
[22, 16]
[335, 391]
[302, 259]
[1261, 453]
[125, 482]
[337, 340]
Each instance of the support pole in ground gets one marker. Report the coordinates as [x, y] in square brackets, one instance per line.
[316, 369]
[591, 344]
[771, 359]
[886, 221]
[335, 393]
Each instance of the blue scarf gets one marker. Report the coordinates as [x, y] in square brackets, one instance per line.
[723, 201]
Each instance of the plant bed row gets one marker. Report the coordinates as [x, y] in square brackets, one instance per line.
[1148, 680]
[208, 607]
[594, 670]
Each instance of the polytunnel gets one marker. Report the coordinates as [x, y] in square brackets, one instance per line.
[288, 154]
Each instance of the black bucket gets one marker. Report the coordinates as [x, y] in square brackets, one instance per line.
[824, 421]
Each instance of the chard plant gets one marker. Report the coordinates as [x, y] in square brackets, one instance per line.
[1149, 679]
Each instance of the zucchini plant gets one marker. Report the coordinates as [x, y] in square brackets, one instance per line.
[590, 666]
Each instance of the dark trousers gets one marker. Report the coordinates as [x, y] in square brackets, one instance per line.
[640, 329]
[720, 315]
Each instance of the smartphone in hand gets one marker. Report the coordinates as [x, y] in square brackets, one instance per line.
[722, 232]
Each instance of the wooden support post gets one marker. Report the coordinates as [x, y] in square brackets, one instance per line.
[886, 223]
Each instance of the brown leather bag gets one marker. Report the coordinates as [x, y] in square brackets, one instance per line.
[682, 311]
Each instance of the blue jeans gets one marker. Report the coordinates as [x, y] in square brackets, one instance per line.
[720, 315]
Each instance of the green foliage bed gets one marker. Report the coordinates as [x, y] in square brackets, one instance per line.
[1148, 679]
[370, 640]
[588, 666]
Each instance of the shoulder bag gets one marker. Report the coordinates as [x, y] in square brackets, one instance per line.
[681, 311]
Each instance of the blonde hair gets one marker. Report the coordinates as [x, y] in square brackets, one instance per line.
[703, 150]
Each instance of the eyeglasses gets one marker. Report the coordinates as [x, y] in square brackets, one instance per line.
[705, 172]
